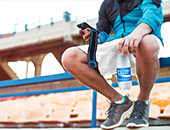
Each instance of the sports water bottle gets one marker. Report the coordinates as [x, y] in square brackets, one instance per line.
[123, 72]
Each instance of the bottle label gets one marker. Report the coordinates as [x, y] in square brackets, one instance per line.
[124, 74]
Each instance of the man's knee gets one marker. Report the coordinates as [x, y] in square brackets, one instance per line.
[68, 57]
[149, 47]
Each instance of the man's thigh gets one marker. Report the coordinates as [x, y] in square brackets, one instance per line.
[74, 54]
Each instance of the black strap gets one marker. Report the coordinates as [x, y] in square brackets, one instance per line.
[92, 49]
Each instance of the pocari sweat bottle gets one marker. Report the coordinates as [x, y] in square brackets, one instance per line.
[123, 72]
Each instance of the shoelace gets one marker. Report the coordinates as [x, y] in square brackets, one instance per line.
[111, 111]
[139, 110]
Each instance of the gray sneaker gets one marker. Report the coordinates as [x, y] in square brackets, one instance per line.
[139, 116]
[117, 113]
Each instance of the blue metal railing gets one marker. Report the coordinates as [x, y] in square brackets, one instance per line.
[164, 62]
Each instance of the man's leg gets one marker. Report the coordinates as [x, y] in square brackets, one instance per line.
[147, 65]
[75, 61]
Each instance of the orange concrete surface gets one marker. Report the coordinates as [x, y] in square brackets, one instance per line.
[76, 106]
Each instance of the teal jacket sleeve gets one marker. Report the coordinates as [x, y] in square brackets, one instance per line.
[103, 37]
[103, 24]
[152, 14]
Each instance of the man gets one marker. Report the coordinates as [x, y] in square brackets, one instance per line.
[136, 25]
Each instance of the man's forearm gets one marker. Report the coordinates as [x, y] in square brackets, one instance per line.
[142, 29]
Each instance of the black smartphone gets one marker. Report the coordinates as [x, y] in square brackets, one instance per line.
[84, 25]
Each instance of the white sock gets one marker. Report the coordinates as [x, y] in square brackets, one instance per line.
[120, 101]
[147, 102]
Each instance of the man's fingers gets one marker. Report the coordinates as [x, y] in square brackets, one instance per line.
[125, 46]
[86, 30]
[120, 44]
[135, 46]
[86, 36]
[130, 46]
[88, 40]
[81, 32]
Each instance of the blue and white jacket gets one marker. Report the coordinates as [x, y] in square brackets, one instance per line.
[123, 16]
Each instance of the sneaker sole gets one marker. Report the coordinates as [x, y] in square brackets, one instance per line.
[133, 125]
[124, 115]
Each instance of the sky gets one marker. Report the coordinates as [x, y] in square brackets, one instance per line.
[22, 12]
[35, 12]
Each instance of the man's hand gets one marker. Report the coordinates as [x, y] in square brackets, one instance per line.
[129, 43]
[132, 41]
[86, 33]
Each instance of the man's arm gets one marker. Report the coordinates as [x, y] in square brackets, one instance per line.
[103, 24]
[132, 41]
[151, 21]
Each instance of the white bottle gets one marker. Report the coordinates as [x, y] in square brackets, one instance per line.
[123, 72]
